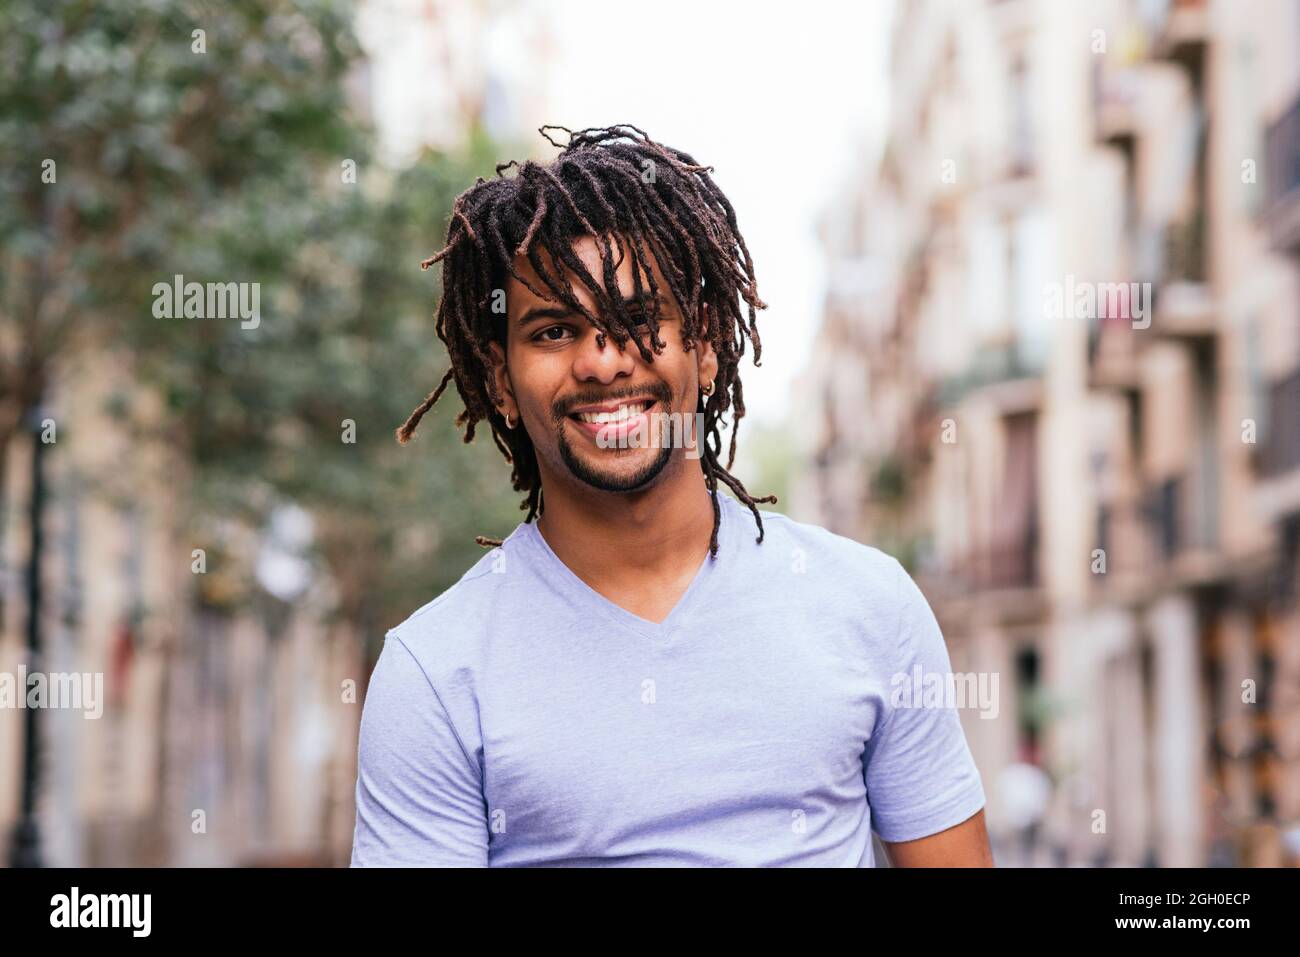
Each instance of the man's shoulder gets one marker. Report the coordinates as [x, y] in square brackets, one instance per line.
[461, 613]
[787, 540]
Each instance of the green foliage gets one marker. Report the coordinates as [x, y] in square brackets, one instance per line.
[889, 485]
[225, 166]
[148, 139]
[768, 448]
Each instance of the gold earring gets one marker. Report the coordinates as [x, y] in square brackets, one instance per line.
[708, 389]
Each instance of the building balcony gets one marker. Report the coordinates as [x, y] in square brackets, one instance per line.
[1115, 95]
[1116, 333]
[1005, 373]
[1282, 156]
[1277, 457]
[1163, 507]
[1155, 542]
[998, 583]
[1184, 307]
[1179, 31]
[1122, 534]
[1181, 537]
[1008, 565]
[1113, 356]
[1185, 311]
[1280, 452]
[1182, 249]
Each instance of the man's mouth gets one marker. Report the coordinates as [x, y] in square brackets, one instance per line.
[612, 420]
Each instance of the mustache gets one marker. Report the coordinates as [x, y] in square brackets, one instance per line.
[658, 390]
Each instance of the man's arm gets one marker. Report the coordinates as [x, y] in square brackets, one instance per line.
[923, 787]
[419, 793]
[965, 845]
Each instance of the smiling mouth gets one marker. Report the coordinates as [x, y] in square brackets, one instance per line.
[622, 413]
[614, 418]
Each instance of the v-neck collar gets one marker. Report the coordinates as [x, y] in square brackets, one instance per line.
[562, 577]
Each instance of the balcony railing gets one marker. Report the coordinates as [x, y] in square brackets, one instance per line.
[1282, 154]
[1184, 250]
[1122, 535]
[1163, 509]
[1180, 519]
[1011, 565]
[994, 567]
[1280, 451]
[992, 364]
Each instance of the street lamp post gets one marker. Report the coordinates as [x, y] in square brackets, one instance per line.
[25, 850]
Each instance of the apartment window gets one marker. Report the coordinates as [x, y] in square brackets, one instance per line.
[1206, 470]
[1163, 508]
[1029, 711]
[1030, 263]
[1022, 125]
[1014, 547]
[1281, 446]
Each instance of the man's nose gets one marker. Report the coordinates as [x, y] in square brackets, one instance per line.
[599, 359]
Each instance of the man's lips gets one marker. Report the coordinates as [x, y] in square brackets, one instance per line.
[614, 430]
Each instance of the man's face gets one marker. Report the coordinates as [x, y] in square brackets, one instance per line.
[577, 398]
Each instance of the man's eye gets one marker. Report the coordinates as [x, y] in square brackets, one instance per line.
[551, 334]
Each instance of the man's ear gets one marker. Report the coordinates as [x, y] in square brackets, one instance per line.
[706, 359]
[501, 375]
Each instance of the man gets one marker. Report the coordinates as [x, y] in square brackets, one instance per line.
[646, 671]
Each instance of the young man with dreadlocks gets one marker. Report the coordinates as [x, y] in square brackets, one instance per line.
[631, 677]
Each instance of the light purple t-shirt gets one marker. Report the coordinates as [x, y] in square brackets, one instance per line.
[521, 718]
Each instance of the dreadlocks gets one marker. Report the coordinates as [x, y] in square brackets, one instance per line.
[609, 183]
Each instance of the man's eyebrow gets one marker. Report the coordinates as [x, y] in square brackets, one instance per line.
[543, 312]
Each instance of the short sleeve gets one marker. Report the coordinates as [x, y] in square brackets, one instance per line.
[419, 796]
[920, 776]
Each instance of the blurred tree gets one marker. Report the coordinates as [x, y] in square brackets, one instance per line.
[123, 126]
[142, 141]
[160, 138]
[303, 408]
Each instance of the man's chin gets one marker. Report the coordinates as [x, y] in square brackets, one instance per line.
[616, 471]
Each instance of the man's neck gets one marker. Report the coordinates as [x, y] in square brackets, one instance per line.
[623, 544]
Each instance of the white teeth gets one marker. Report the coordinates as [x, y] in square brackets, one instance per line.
[620, 414]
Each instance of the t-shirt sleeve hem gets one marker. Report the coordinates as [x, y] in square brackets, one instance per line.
[949, 814]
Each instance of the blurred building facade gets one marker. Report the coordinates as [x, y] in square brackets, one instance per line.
[225, 735]
[1059, 376]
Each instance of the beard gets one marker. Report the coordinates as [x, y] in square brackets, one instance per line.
[608, 480]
